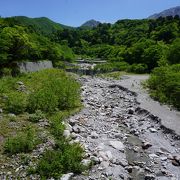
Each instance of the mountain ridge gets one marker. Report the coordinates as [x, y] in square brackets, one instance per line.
[43, 24]
[168, 12]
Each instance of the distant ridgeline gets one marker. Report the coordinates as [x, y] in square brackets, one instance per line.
[138, 44]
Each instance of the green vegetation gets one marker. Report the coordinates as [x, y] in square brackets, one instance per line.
[113, 75]
[64, 159]
[164, 84]
[49, 95]
[22, 142]
[144, 43]
[22, 43]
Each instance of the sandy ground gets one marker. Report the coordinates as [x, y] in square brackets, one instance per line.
[169, 118]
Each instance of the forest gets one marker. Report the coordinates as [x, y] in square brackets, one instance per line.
[136, 46]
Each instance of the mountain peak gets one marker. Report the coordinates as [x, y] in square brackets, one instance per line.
[91, 23]
[168, 12]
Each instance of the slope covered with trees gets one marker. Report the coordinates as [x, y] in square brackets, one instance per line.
[146, 42]
[24, 42]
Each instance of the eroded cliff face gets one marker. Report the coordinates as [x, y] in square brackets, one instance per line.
[25, 67]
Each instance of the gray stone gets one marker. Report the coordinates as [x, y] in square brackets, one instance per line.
[94, 135]
[146, 145]
[86, 162]
[72, 122]
[117, 145]
[66, 133]
[150, 177]
[109, 155]
[20, 83]
[103, 155]
[76, 129]
[152, 130]
[163, 158]
[67, 176]
[129, 169]
[1, 111]
[152, 156]
[130, 111]
[95, 159]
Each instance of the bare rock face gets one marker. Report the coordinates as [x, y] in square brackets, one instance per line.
[25, 67]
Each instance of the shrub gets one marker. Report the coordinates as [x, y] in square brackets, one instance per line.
[66, 158]
[164, 84]
[22, 142]
[16, 102]
[43, 99]
[138, 68]
[57, 127]
[6, 72]
[55, 90]
[36, 116]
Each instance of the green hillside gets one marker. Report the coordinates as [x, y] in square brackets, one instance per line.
[41, 24]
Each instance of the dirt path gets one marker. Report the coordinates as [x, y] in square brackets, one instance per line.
[124, 140]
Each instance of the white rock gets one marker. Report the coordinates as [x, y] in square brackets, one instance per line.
[86, 162]
[152, 130]
[117, 145]
[164, 158]
[152, 156]
[20, 83]
[109, 155]
[66, 133]
[103, 155]
[76, 129]
[67, 176]
[94, 135]
[69, 127]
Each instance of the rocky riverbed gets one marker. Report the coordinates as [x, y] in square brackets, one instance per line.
[122, 137]
[123, 140]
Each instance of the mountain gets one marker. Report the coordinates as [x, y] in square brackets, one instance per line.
[91, 23]
[42, 24]
[168, 12]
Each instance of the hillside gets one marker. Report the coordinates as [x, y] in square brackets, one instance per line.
[42, 24]
[168, 12]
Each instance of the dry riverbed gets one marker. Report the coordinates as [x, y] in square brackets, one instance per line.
[124, 140]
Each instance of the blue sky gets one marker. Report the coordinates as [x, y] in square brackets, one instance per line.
[76, 12]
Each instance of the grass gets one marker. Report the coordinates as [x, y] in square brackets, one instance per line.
[48, 94]
[23, 142]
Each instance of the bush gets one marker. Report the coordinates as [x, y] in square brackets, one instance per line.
[112, 66]
[57, 127]
[16, 102]
[5, 72]
[66, 158]
[56, 90]
[164, 84]
[138, 68]
[23, 142]
[43, 99]
[38, 115]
